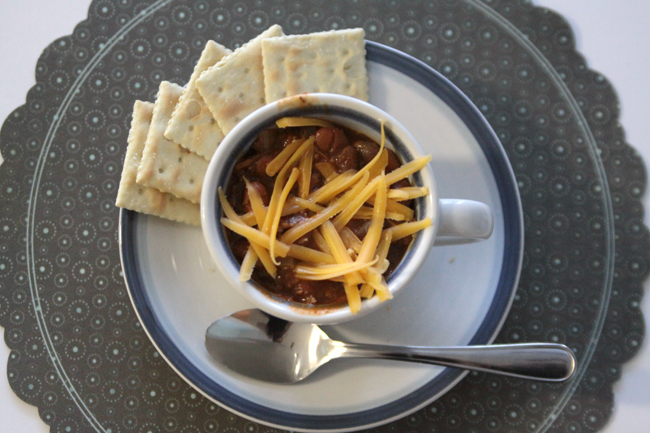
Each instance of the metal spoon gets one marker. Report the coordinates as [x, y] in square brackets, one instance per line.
[264, 347]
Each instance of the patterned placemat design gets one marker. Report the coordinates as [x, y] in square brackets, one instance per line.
[78, 351]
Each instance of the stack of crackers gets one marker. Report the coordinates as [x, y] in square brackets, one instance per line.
[172, 140]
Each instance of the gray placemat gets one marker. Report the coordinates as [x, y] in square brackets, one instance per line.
[78, 351]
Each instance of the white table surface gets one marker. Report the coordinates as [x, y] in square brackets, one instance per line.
[614, 36]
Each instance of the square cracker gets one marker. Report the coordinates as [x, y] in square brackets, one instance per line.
[234, 87]
[192, 125]
[143, 199]
[326, 62]
[165, 165]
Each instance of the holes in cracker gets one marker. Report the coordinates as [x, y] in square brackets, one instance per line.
[192, 110]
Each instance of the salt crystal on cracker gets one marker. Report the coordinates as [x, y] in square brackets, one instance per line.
[234, 87]
[192, 125]
[325, 62]
[165, 165]
[143, 199]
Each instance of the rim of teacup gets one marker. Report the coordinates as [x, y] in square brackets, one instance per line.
[346, 111]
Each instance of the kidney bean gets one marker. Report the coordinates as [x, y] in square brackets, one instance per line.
[393, 161]
[346, 159]
[340, 141]
[331, 140]
[366, 150]
[325, 139]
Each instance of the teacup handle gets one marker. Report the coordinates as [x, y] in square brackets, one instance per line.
[463, 222]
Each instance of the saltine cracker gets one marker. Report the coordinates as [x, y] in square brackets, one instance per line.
[192, 124]
[325, 62]
[234, 87]
[166, 165]
[143, 199]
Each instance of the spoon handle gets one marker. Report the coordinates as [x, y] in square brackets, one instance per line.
[540, 361]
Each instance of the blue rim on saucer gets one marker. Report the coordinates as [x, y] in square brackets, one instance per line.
[487, 331]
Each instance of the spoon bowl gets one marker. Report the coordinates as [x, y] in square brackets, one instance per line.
[258, 345]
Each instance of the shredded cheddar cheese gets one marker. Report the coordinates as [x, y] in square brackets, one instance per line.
[279, 184]
[407, 169]
[301, 229]
[370, 242]
[327, 169]
[338, 254]
[265, 257]
[380, 165]
[407, 229]
[255, 236]
[304, 182]
[295, 173]
[287, 122]
[333, 188]
[310, 255]
[344, 217]
[326, 272]
[246, 270]
[256, 203]
[279, 161]
[407, 193]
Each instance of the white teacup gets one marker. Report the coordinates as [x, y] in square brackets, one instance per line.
[454, 221]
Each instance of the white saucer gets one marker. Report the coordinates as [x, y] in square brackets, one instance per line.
[461, 295]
